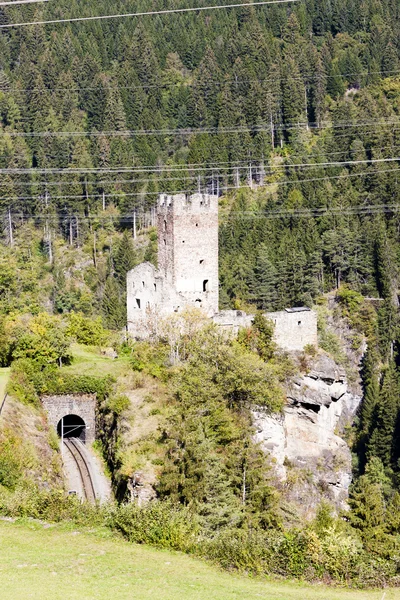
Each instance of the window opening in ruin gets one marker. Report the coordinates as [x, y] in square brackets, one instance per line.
[298, 322]
[198, 300]
[197, 224]
[138, 302]
[202, 262]
[165, 225]
[165, 242]
[143, 284]
[205, 285]
[183, 241]
[155, 287]
[72, 426]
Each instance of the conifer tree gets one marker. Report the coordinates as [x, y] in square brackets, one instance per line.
[124, 259]
[113, 305]
[381, 442]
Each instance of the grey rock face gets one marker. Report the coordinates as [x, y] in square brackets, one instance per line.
[304, 440]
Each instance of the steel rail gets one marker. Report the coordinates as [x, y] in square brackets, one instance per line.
[80, 460]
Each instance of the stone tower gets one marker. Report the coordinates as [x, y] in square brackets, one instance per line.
[187, 273]
[188, 247]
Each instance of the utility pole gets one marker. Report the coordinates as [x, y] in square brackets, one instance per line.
[272, 133]
[306, 106]
[10, 231]
[62, 438]
[94, 250]
[104, 201]
[134, 224]
[237, 178]
[250, 176]
[47, 231]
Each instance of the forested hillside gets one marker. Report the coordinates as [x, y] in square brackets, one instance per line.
[291, 115]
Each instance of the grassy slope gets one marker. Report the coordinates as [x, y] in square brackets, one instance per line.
[89, 361]
[55, 563]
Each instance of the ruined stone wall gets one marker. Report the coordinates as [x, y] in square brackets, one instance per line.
[232, 320]
[295, 328]
[150, 296]
[82, 405]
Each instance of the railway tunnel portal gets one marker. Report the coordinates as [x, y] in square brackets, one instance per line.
[72, 415]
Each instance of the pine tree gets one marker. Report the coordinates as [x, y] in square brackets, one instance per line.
[264, 287]
[113, 305]
[125, 259]
[370, 379]
[381, 442]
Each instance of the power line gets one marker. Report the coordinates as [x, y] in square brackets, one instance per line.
[186, 167]
[293, 182]
[185, 131]
[214, 172]
[21, 2]
[304, 78]
[149, 13]
[361, 209]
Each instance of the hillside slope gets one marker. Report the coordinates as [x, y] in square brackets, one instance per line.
[54, 563]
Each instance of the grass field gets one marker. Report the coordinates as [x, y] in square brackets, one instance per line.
[55, 563]
[89, 361]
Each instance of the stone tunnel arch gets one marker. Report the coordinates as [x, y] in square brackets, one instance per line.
[80, 406]
[72, 426]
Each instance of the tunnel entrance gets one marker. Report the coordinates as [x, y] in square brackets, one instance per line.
[72, 426]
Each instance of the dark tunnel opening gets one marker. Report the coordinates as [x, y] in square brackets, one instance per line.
[72, 426]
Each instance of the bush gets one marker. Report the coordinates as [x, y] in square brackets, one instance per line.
[150, 359]
[158, 523]
[118, 404]
[87, 331]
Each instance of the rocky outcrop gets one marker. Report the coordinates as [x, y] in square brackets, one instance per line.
[311, 459]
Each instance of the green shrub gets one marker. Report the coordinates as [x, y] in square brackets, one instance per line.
[87, 331]
[158, 523]
[150, 359]
[117, 404]
[16, 456]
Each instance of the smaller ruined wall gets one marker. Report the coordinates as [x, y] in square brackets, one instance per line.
[82, 405]
[149, 297]
[295, 328]
[232, 320]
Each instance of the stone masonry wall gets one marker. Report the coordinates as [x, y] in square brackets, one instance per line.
[187, 273]
[82, 405]
[295, 328]
[188, 247]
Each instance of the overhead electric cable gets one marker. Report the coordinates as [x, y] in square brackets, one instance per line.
[21, 2]
[236, 82]
[148, 13]
[85, 197]
[277, 214]
[157, 169]
[213, 172]
[185, 131]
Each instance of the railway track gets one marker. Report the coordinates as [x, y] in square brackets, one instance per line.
[73, 446]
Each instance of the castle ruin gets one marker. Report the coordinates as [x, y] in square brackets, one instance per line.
[187, 276]
[187, 273]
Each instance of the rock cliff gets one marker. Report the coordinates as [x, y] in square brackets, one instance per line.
[312, 461]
